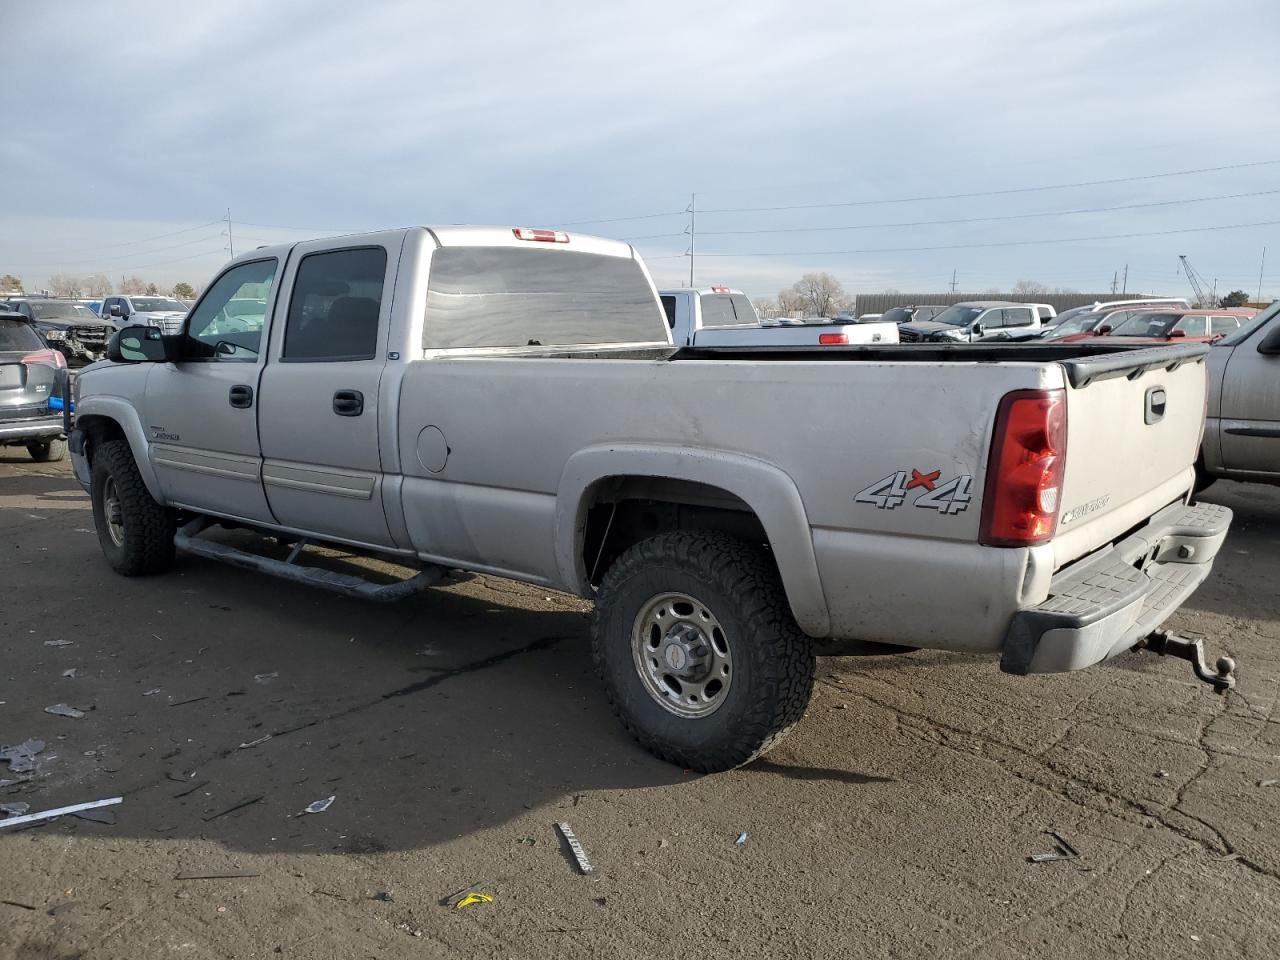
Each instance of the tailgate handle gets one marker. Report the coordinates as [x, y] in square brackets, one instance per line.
[1154, 407]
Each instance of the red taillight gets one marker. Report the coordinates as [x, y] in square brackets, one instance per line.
[830, 338]
[46, 357]
[1024, 472]
[542, 236]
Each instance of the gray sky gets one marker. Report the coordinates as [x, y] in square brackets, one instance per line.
[127, 121]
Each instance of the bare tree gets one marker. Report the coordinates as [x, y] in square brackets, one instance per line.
[1029, 288]
[133, 286]
[764, 307]
[183, 291]
[64, 285]
[98, 285]
[790, 303]
[10, 284]
[820, 293]
[152, 289]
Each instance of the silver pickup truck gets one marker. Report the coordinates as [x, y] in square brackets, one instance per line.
[510, 401]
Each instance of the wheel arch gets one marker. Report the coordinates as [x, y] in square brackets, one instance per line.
[108, 418]
[731, 489]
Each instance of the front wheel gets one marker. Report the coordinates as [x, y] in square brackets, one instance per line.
[135, 532]
[698, 651]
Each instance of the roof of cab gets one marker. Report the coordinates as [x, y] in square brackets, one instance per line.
[458, 235]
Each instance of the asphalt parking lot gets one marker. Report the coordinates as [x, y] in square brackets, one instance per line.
[454, 728]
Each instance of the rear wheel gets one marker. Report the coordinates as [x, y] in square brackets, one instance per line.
[698, 650]
[44, 451]
[135, 532]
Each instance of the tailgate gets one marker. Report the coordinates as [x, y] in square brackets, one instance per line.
[1134, 423]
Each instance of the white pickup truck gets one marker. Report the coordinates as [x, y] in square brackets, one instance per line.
[510, 401]
[723, 317]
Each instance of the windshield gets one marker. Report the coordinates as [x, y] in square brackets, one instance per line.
[896, 315]
[55, 310]
[157, 305]
[1078, 324]
[18, 335]
[1246, 329]
[1146, 325]
[958, 316]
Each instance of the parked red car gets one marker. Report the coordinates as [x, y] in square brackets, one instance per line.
[1173, 326]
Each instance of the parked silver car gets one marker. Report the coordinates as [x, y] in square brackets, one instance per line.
[1242, 431]
[30, 374]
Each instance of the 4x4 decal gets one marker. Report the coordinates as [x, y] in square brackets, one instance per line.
[949, 497]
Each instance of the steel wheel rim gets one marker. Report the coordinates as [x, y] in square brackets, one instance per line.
[682, 655]
[112, 513]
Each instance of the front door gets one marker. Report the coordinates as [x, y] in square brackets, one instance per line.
[319, 414]
[201, 412]
[1250, 425]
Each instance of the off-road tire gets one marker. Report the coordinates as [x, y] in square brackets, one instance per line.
[147, 545]
[773, 658]
[46, 451]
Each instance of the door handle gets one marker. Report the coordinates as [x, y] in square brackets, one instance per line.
[348, 403]
[240, 396]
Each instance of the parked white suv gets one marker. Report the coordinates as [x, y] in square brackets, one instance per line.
[127, 311]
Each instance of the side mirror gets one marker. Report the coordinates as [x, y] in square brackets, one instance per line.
[137, 345]
[115, 310]
[1177, 333]
[1270, 345]
[1104, 329]
[977, 330]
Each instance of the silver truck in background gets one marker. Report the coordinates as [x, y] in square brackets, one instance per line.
[723, 317]
[510, 401]
[1242, 429]
[976, 321]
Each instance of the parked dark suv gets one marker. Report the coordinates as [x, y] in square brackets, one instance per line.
[68, 327]
[30, 374]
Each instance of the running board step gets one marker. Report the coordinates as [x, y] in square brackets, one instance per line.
[187, 539]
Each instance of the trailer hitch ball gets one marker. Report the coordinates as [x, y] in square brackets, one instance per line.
[1222, 679]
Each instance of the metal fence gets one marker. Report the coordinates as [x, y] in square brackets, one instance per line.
[880, 302]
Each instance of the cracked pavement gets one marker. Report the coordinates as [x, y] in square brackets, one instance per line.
[456, 727]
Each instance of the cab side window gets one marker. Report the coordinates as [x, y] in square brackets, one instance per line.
[669, 308]
[334, 309]
[1017, 317]
[1225, 325]
[1193, 326]
[227, 322]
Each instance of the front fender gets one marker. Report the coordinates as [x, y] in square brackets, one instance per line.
[126, 417]
[770, 493]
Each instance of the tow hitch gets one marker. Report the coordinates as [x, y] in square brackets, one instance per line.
[1192, 650]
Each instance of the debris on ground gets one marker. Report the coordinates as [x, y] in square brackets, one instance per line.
[70, 674]
[59, 811]
[21, 756]
[14, 809]
[1062, 850]
[232, 809]
[742, 838]
[1268, 783]
[266, 677]
[220, 875]
[151, 693]
[320, 806]
[65, 710]
[471, 899]
[254, 743]
[1227, 857]
[1162, 774]
[58, 643]
[383, 896]
[575, 846]
[181, 703]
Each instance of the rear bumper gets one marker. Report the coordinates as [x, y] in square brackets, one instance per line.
[1105, 603]
[37, 428]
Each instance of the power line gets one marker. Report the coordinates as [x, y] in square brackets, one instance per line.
[996, 193]
[643, 216]
[128, 243]
[1011, 216]
[117, 256]
[1000, 243]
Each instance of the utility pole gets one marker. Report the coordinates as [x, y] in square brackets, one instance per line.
[230, 242]
[1261, 267]
[1115, 282]
[953, 280]
[1214, 302]
[693, 228]
[1125, 289]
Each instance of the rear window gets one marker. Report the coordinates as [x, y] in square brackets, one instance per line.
[726, 309]
[18, 335]
[496, 297]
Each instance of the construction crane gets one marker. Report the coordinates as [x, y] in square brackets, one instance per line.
[1198, 283]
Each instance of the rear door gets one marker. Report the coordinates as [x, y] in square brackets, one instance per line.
[319, 410]
[201, 412]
